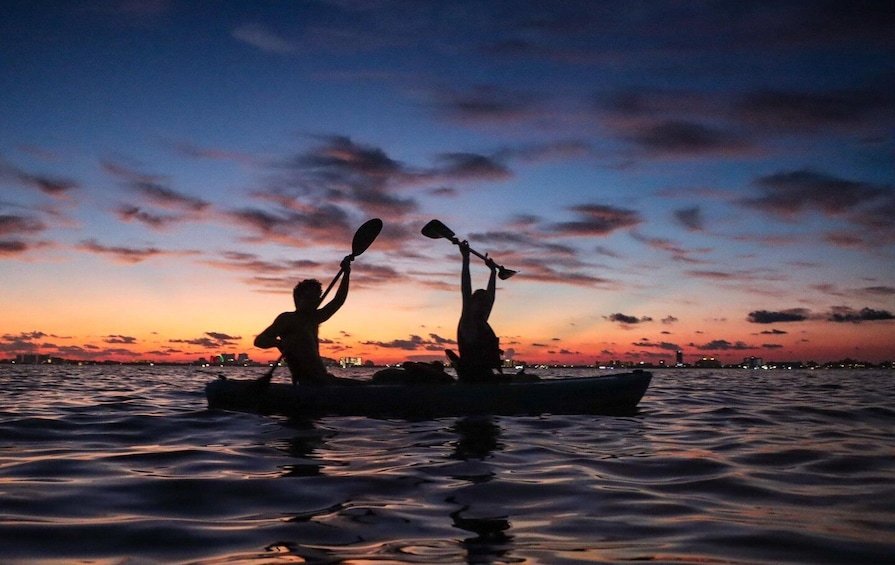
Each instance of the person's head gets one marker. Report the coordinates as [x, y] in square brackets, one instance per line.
[306, 294]
[480, 302]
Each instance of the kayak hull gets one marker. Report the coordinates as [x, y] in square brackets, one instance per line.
[610, 394]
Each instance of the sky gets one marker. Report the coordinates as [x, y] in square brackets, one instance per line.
[711, 177]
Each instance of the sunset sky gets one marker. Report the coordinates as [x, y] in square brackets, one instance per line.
[715, 177]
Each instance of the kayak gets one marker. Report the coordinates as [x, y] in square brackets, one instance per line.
[609, 394]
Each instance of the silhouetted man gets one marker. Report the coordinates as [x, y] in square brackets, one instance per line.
[295, 334]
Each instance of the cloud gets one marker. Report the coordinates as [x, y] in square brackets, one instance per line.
[128, 213]
[680, 138]
[723, 345]
[671, 247]
[789, 193]
[57, 187]
[464, 166]
[767, 317]
[19, 225]
[664, 345]
[153, 193]
[845, 314]
[690, 218]
[669, 320]
[867, 206]
[415, 343]
[264, 39]
[486, 104]
[295, 225]
[210, 340]
[120, 339]
[812, 112]
[596, 220]
[878, 290]
[129, 255]
[625, 319]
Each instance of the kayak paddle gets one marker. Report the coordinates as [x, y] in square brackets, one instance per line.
[437, 230]
[363, 238]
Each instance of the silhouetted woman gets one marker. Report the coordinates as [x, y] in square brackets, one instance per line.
[479, 346]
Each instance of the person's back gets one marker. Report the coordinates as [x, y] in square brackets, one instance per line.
[479, 349]
[478, 345]
[301, 349]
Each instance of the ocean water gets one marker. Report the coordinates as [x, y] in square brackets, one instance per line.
[126, 465]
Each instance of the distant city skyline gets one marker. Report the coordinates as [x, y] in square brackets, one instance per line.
[717, 178]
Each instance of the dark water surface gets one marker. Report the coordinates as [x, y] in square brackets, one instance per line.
[125, 465]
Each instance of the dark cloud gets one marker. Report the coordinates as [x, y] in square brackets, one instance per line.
[16, 225]
[295, 225]
[463, 166]
[768, 317]
[669, 320]
[680, 138]
[56, 187]
[791, 192]
[25, 336]
[415, 343]
[846, 314]
[773, 332]
[878, 290]
[675, 250]
[10, 247]
[211, 340]
[120, 339]
[867, 206]
[723, 345]
[596, 220]
[690, 218]
[128, 213]
[653, 345]
[153, 189]
[628, 320]
[806, 111]
[167, 198]
[487, 103]
[222, 337]
[129, 255]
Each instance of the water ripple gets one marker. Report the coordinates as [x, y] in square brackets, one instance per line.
[733, 467]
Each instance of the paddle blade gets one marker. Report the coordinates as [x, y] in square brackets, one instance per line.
[365, 236]
[504, 274]
[436, 230]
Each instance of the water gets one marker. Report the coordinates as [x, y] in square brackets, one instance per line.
[125, 465]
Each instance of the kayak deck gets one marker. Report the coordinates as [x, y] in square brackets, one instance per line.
[610, 394]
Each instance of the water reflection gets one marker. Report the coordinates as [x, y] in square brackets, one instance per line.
[478, 439]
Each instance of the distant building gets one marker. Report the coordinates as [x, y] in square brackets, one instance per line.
[752, 363]
[351, 362]
[32, 359]
[708, 363]
[679, 358]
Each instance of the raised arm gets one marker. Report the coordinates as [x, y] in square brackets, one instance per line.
[492, 285]
[326, 312]
[465, 280]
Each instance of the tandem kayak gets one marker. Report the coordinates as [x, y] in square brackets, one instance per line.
[609, 394]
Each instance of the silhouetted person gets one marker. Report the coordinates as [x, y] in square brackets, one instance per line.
[478, 344]
[295, 334]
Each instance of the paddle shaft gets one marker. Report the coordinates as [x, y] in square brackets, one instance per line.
[436, 229]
